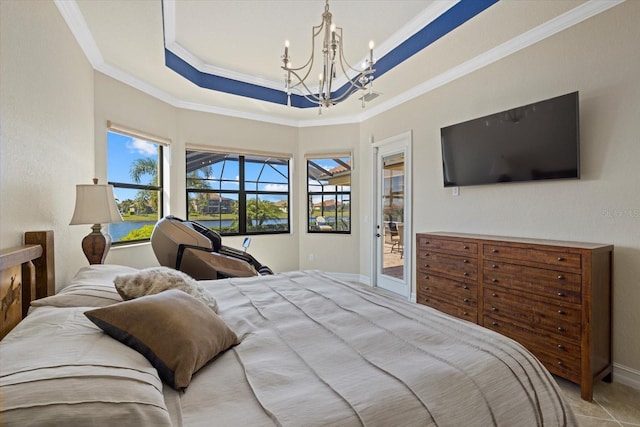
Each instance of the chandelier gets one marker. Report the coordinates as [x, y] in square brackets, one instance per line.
[332, 57]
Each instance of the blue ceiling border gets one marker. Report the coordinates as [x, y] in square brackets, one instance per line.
[457, 15]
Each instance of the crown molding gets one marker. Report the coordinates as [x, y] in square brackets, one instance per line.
[80, 30]
[536, 34]
[74, 19]
[184, 54]
[170, 43]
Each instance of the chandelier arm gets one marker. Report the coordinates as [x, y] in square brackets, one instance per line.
[313, 99]
[347, 93]
[301, 82]
[360, 73]
[314, 32]
[343, 61]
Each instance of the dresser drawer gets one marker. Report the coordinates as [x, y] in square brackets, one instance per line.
[560, 355]
[467, 312]
[459, 267]
[451, 291]
[439, 244]
[540, 256]
[558, 285]
[562, 320]
[564, 366]
[427, 281]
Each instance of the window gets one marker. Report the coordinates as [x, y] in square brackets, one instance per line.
[238, 193]
[134, 168]
[329, 193]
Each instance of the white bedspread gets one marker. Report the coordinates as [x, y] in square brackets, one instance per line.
[318, 352]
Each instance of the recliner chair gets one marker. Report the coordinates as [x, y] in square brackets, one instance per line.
[198, 251]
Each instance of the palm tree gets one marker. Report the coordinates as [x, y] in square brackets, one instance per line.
[138, 169]
[199, 179]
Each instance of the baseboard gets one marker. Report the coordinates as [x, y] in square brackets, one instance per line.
[627, 376]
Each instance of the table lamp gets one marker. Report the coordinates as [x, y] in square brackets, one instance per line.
[95, 204]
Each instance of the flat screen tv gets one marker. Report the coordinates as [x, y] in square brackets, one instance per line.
[538, 141]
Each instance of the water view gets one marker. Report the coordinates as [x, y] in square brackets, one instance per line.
[120, 229]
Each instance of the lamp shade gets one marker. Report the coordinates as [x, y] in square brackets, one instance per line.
[95, 204]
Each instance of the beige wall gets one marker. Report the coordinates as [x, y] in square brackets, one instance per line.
[126, 106]
[337, 253]
[600, 59]
[280, 252]
[46, 129]
[134, 109]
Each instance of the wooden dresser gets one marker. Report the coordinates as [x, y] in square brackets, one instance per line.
[553, 297]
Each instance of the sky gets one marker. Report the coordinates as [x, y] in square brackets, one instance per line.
[122, 151]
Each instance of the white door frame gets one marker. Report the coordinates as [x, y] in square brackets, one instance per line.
[402, 142]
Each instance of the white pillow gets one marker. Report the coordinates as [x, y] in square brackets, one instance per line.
[150, 281]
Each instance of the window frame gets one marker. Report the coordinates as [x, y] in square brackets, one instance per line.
[161, 143]
[335, 194]
[242, 193]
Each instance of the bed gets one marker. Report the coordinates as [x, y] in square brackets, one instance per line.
[309, 350]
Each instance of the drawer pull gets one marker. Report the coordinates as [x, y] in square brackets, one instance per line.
[494, 323]
[465, 300]
[561, 312]
[495, 251]
[560, 258]
[560, 346]
[494, 280]
[427, 266]
[494, 309]
[427, 254]
[560, 294]
[560, 277]
[494, 295]
[466, 247]
[465, 274]
[560, 363]
[465, 287]
[494, 266]
[561, 329]
[426, 242]
[465, 313]
[464, 261]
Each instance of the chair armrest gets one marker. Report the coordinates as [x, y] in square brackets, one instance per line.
[204, 265]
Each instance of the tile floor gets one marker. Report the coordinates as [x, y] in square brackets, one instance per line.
[613, 405]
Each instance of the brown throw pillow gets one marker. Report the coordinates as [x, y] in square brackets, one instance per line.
[177, 333]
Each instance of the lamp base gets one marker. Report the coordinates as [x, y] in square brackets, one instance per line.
[96, 245]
